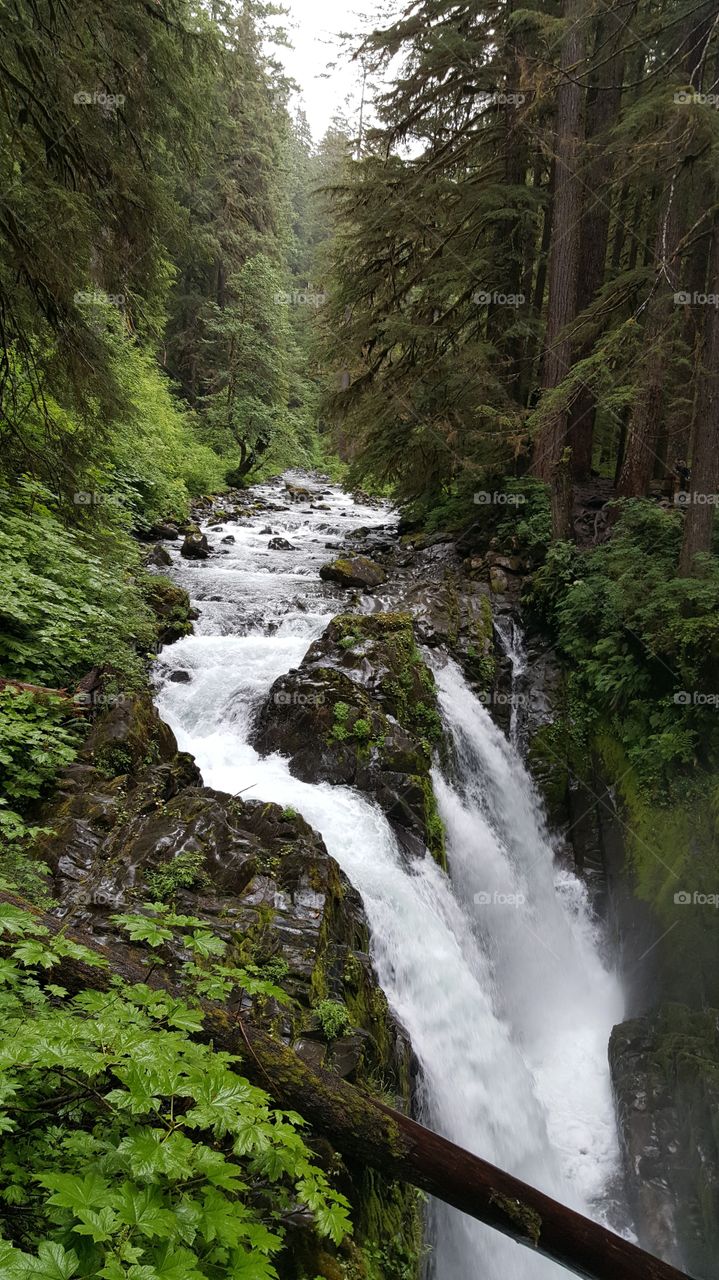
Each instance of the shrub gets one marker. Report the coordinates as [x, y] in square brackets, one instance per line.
[334, 1018]
[147, 1153]
[642, 646]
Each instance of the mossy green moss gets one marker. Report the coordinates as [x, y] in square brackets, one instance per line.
[484, 662]
[527, 1222]
[407, 688]
[553, 758]
[433, 823]
[171, 607]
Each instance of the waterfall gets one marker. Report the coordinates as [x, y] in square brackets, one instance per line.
[496, 973]
[511, 641]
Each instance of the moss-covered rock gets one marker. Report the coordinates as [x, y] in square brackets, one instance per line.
[171, 606]
[361, 710]
[129, 737]
[548, 760]
[354, 571]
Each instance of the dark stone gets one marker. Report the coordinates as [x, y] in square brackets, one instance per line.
[258, 875]
[180, 677]
[162, 530]
[354, 571]
[280, 544]
[509, 564]
[171, 606]
[159, 556]
[195, 547]
[129, 737]
[361, 710]
[230, 539]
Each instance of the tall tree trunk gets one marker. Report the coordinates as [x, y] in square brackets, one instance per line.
[619, 229]
[510, 247]
[564, 251]
[365, 1130]
[699, 517]
[540, 255]
[644, 428]
[602, 109]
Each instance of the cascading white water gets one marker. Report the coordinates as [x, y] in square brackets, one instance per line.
[496, 974]
[548, 986]
[512, 642]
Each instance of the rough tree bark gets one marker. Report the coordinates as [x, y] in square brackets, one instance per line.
[699, 518]
[366, 1131]
[640, 450]
[502, 320]
[564, 251]
[644, 427]
[603, 102]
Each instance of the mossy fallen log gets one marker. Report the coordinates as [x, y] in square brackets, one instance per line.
[366, 1131]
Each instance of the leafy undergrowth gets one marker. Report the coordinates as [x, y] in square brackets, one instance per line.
[641, 647]
[131, 1151]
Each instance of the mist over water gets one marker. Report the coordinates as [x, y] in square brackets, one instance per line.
[497, 973]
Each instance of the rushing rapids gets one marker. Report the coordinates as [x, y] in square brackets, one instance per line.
[496, 972]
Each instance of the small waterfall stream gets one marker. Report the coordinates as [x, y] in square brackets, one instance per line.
[497, 974]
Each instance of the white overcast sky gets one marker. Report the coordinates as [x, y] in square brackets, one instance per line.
[312, 28]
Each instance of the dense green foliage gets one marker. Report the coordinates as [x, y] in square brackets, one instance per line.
[132, 1151]
[641, 646]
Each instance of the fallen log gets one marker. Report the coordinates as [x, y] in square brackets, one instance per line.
[23, 687]
[370, 1133]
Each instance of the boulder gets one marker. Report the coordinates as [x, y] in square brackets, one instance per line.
[159, 556]
[361, 710]
[354, 571]
[280, 544]
[130, 736]
[171, 606]
[163, 530]
[229, 540]
[195, 546]
[509, 564]
[297, 493]
[498, 580]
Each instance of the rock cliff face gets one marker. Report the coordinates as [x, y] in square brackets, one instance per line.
[665, 1067]
[132, 822]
